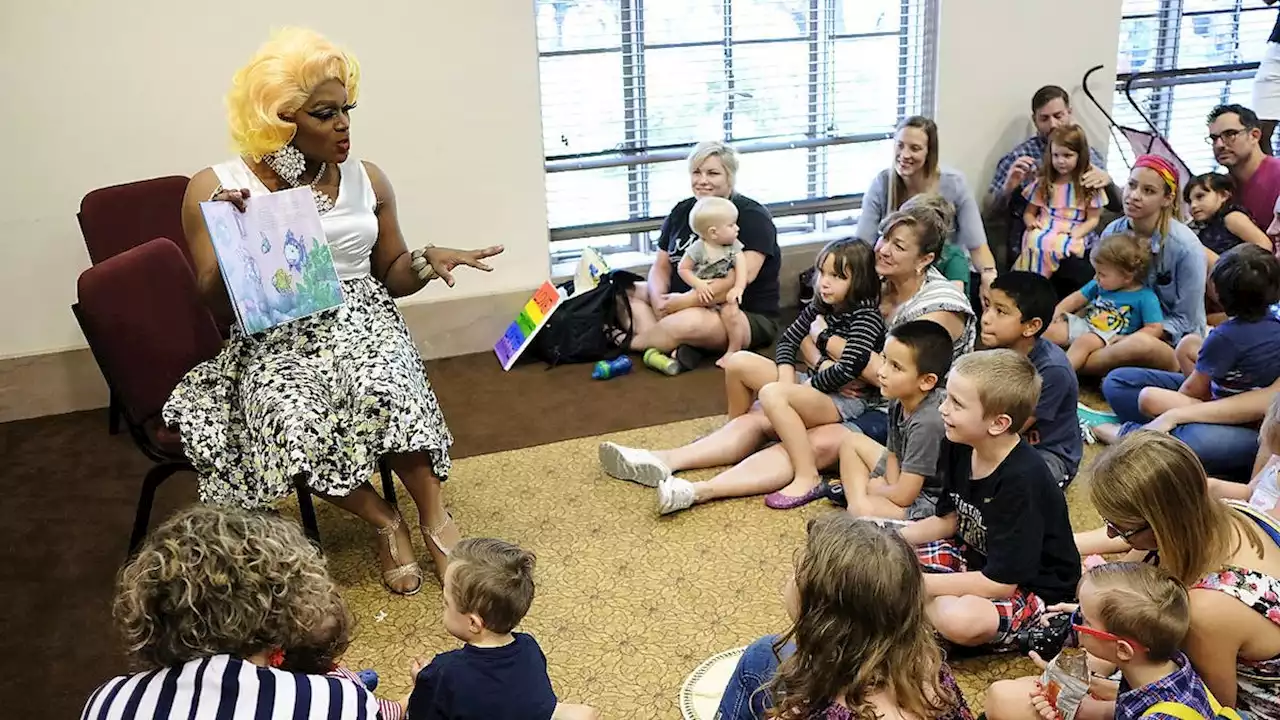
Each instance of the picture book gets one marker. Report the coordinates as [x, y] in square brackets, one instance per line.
[274, 258]
[533, 316]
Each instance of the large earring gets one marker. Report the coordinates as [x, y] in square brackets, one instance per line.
[288, 162]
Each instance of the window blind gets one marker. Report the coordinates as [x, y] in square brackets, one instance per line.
[1202, 50]
[808, 91]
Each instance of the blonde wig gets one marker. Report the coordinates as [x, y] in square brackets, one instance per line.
[216, 580]
[278, 80]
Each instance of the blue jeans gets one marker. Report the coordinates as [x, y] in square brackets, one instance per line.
[873, 423]
[1227, 451]
[756, 667]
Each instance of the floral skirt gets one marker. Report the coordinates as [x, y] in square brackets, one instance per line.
[322, 398]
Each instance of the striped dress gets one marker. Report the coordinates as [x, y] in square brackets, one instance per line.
[225, 688]
[1043, 249]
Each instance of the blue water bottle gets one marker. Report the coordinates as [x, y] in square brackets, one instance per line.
[606, 369]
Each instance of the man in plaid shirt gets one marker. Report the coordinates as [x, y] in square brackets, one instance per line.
[1050, 110]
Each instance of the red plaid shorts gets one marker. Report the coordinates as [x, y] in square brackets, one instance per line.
[944, 556]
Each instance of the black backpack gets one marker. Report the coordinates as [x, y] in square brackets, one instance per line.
[582, 328]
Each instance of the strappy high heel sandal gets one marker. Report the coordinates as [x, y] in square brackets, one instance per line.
[432, 536]
[400, 571]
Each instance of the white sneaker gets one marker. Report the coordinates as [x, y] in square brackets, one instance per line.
[638, 466]
[674, 494]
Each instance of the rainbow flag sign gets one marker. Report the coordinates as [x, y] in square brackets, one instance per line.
[521, 331]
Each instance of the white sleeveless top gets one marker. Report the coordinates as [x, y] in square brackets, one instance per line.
[350, 227]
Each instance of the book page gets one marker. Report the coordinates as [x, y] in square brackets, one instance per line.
[274, 257]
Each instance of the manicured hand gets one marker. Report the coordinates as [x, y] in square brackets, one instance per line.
[431, 262]
[235, 197]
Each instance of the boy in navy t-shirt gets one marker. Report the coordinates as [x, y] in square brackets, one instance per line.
[1240, 354]
[488, 588]
[1020, 310]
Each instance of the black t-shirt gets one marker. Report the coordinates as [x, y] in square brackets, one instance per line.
[756, 231]
[476, 683]
[1275, 31]
[1013, 523]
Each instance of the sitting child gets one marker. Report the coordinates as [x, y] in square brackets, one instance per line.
[1263, 492]
[900, 481]
[848, 302]
[1136, 617]
[859, 645]
[1217, 219]
[323, 653]
[1240, 354]
[1117, 302]
[1061, 211]
[488, 588]
[715, 254]
[1019, 311]
[999, 546]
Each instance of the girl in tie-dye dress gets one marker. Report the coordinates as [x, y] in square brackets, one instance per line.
[1061, 212]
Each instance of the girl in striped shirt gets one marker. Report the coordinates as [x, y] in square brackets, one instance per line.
[846, 304]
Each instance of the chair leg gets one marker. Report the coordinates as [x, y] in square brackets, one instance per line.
[142, 516]
[388, 481]
[113, 414]
[307, 508]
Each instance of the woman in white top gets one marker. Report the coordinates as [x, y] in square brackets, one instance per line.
[319, 400]
[204, 609]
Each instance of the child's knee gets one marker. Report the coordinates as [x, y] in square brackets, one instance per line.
[740, 363]
[968, 621]
[1149, 401]
[774, 395]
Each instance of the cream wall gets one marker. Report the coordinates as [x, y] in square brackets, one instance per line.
[102, 93]
[994, 54]
[99, 93]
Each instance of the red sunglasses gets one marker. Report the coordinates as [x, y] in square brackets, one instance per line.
[1104, 635]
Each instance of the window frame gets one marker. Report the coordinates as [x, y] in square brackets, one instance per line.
[917, 42]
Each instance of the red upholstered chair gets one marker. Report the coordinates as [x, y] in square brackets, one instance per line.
[121, 217]
[146, 323]
[118, 218]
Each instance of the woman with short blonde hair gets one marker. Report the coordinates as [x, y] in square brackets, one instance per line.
[666, 314]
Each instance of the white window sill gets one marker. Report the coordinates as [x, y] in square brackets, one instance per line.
[638, 262]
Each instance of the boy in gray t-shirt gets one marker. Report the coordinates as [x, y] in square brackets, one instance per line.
[900, 482]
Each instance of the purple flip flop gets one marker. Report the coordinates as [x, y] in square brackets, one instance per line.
[778, 501]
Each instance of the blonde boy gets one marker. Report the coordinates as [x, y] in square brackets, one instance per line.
[999, 547]
[717, 253]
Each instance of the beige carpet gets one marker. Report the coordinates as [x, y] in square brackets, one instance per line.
[628, 603]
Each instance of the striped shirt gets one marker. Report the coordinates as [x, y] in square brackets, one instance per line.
[225, 688]
[862, 329]
[389, 709]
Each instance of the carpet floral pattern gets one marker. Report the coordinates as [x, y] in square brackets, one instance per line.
[628, 603]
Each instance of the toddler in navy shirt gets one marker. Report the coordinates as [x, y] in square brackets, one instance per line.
[488, 588]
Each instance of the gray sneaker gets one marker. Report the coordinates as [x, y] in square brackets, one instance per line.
[634, 464]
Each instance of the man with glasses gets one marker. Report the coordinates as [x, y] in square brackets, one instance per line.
[1236, 135]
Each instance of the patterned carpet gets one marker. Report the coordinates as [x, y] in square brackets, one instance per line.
[628, 603]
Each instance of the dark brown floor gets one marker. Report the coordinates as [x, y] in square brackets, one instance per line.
[70, 489]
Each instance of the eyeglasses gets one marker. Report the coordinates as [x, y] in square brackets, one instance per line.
[1103, 634]
[1115, 532]
[1226, 136]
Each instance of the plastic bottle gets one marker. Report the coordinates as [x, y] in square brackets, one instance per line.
[1066, 681]
[607, 369]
